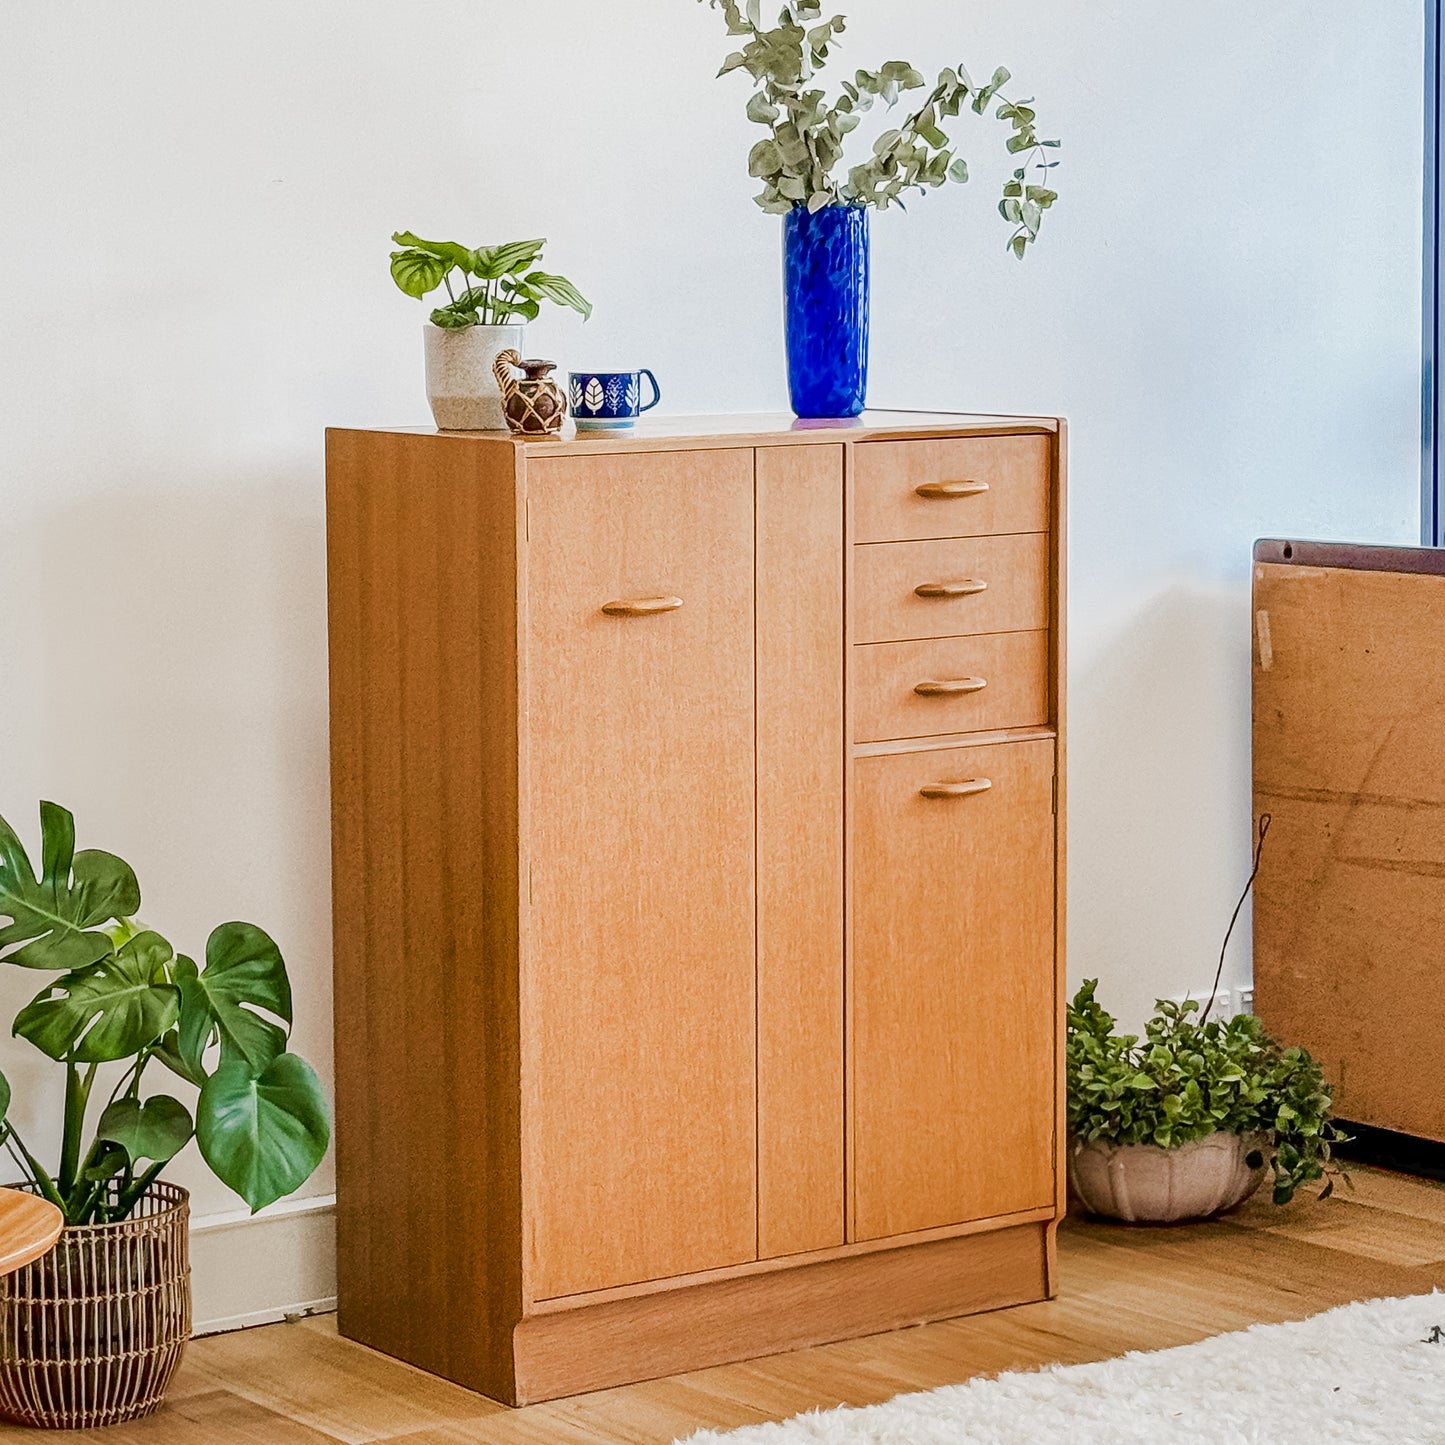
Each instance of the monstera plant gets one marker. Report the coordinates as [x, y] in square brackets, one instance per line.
[121, 1000]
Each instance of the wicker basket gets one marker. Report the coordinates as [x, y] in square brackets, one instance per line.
[91, 1333]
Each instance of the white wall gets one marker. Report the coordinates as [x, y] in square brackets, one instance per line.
[195, 202]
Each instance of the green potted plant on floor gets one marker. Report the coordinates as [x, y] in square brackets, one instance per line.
[1187, 1120]
[92, 1332]
[492, 292]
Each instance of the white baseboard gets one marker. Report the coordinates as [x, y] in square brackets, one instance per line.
[257, 1269]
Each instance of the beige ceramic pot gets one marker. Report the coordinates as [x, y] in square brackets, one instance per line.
[1143, 1183]
[460, 383]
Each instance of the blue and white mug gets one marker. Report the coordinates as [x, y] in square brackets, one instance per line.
[609, 400]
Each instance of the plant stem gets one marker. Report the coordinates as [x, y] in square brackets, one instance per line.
[77, 1096]
[38, 1175]
[129, 1198]
[447, 282]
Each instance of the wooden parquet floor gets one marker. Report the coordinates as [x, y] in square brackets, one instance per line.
[1123, 1289]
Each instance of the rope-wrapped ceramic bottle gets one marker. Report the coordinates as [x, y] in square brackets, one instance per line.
[534, 404]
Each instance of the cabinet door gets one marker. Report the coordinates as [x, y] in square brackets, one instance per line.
[639, 1031]
[952, 986]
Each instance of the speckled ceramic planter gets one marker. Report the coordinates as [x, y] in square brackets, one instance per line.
[1144, 1184]
[460, 384]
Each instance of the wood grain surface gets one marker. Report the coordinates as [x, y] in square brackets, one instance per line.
[952, 1071]
[1349, 761]
[1015, 469]
[422, 549]
[1013, 571]
[1014, 666]
[639, 1033]
[800, 848]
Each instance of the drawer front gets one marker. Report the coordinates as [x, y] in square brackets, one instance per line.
[963, 487]
[949, 588]
[953, 1045]
[920, 689]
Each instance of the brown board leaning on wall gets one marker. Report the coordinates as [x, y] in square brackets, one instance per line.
[1349, 761]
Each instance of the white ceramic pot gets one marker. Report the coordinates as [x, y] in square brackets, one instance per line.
[459, 382]
[1143, 1183]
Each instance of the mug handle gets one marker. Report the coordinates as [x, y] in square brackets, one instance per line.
[656, 391]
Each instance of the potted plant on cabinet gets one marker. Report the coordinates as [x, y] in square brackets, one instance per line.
[491, 293]
[825, 212]
[92, 1332]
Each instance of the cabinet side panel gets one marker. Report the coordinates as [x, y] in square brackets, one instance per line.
[422, 567]
[800, 848]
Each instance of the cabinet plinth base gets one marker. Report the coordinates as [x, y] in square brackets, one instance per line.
[597, 1346]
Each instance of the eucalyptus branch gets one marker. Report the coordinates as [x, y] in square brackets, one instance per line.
[797, 161]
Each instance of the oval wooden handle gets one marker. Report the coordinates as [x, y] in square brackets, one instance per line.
[964, 587]
[641, 606]
[950, 686]
[942, 491]
[955, 790]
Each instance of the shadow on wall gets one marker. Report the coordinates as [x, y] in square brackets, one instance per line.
[1159, 783]
[178, 665]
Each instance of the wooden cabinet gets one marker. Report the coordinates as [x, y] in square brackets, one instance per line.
[698, 876]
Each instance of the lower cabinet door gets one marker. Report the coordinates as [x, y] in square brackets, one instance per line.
[952, 986]
[639, 1034]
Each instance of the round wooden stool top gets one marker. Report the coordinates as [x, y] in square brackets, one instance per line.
[29, 1225]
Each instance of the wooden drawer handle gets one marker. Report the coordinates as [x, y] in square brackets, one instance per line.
[950, 686]
[942, 491]
[955, 790]
[964, 587]
[641, 606]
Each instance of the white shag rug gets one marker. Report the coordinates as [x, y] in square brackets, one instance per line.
[1361, 1374]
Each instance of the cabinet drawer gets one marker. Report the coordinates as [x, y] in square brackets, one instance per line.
[962, 487]
[1012, 668]
[948, 588]
[952, 1066]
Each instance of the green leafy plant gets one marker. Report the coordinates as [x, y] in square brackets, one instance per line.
[799, 160]
[490, 286]
[124, 997]
[1188, 1077]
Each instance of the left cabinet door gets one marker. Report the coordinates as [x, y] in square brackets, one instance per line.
[639, 1039]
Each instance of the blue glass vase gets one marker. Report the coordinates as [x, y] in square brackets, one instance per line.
[825, 309]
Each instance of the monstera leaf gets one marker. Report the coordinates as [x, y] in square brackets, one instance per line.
[108, 1011]
[244, 974]
[53, 918]
[263, 1132]
[156, 1130]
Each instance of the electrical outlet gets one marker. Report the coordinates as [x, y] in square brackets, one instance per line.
[1223, 1009]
